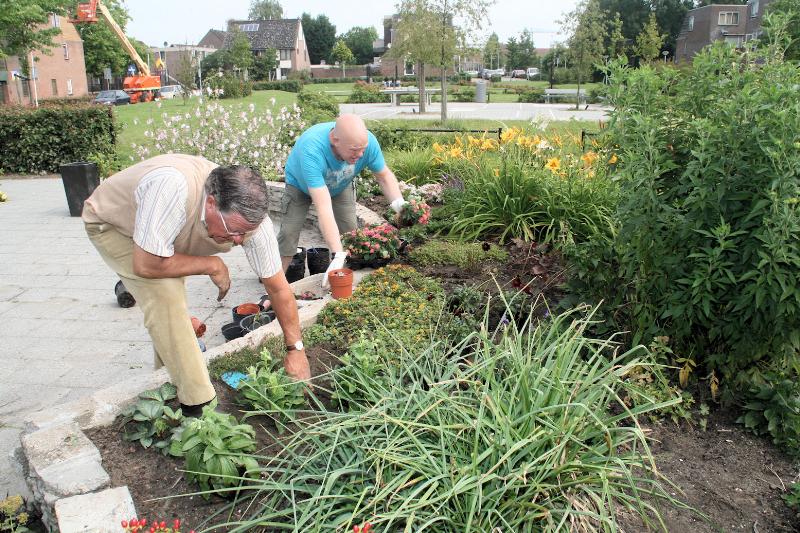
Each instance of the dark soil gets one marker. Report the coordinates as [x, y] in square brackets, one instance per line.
[731, 476]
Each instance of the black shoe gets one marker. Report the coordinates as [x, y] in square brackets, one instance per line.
[124, 298]
[195, 411]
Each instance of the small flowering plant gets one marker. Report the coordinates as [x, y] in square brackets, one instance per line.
[372, 242]
[135, 525]
[415, 212]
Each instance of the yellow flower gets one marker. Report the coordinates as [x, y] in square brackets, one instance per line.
[473, 141]
[589, 158]
[438, 148]
[613, 160]
[509, 134]
[557, 140]
[497, 173]
[455, 151]
[553, 164]
[488, 144]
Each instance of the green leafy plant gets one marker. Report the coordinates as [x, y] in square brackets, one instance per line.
[269, 391]
[150, 421]
[792, 498]
[215, 448]
[366, 93]
[361, 366]
[462, 255]
[317, 107]
[414, 165]
[773, 408]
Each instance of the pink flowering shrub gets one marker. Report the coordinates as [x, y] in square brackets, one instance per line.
[227, 135]
[372, 242]
[415, 212]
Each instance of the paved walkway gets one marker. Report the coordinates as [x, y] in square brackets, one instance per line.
[63, 334]
[500, 111]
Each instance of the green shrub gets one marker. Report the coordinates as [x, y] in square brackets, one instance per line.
[291, 86]
[39, 140]
[709, 241]
[317, 107]
[413, 166]
[466, 94]
[366, 93]
[773, 408]
[531, 96]
[228, 86]
[463, 255]
[520, 434]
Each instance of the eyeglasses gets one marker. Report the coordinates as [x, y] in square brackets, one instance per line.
[230, 233]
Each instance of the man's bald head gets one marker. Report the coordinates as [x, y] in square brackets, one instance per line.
[349, 138]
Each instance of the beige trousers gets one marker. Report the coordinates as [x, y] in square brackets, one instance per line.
[166, 317]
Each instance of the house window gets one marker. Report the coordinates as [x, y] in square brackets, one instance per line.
[56, 21]
[408, 70]
[754, 9]
[54, 87]
[691, 23]
[248, 27]
[728, 18]
[66, 51]
[734, 40]
[69, 87]
[26, 90]
[285, 54]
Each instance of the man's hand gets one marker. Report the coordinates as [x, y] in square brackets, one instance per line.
[336, 263]
[219, 275]
[296, 365]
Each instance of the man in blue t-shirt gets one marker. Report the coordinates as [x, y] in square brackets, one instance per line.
[320, 170]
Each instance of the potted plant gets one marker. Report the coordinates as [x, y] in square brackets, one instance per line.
[373, 246]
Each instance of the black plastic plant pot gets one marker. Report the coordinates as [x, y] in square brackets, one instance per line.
[253, 322]
[295, 272]
[80, 180]
[247, 309]
[357, 263]
[300, 257]
[232, 331]
[318, 260]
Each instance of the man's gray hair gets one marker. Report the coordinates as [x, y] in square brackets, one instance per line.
[241, 190]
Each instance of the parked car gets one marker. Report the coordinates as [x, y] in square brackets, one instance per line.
[170, 91]
[519, 73]
[532, 72]
[116, 97]
[488, 73]
[470, 73]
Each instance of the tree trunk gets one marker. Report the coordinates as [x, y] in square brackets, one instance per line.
[444, 95]
[421, 86]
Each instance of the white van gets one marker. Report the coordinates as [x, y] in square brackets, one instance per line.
[171, 91]
[532, 73]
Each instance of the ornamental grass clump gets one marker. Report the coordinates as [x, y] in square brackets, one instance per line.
[528, 434]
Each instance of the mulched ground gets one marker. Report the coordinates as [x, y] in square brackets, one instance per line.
[732, 476]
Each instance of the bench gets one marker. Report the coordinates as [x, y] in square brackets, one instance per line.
[558, 93]
[396, 92]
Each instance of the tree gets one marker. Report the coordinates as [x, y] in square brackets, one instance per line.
[649, 42]
[264, 65]
[670, 15]
[359, 40]
[239, 56]
[214, 62]
[342, 54]
[24, 26]
[185, 73]
[436, 29]
[491, 52]
[521, 53]
[320, 37]
[616, 41]
[265, 10]
[586, 28]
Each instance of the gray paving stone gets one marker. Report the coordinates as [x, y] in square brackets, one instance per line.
[96, 512]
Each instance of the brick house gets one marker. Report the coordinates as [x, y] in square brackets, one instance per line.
[284, 35]
[172, 57]
[59, 74]
[213, 39]
[735, 24]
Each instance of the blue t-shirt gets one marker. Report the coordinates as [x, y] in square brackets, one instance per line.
[311, 162]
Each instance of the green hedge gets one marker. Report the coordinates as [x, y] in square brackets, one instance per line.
[291, 86]
[39, 140]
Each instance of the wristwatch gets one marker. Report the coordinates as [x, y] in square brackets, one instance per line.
[296, 346]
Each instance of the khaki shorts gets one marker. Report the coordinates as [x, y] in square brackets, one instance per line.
[294, 210]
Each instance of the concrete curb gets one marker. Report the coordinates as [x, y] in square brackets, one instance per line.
[63, 468]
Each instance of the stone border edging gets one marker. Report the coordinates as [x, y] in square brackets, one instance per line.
[63, 468]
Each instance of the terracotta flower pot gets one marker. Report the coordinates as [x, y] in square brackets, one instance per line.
[341, 281]
[198, 326]
[243, 310]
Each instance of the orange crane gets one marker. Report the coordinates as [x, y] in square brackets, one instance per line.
[142, 87]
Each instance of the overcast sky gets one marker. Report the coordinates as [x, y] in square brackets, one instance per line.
[186, 21]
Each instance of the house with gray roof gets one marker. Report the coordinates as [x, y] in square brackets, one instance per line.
[283, 35]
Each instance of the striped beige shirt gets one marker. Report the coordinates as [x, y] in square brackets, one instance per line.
[161, 214]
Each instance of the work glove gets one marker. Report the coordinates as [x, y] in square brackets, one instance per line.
[336, 263]
[398, 205]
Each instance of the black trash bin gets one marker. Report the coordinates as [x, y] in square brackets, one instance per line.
[80, 180]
